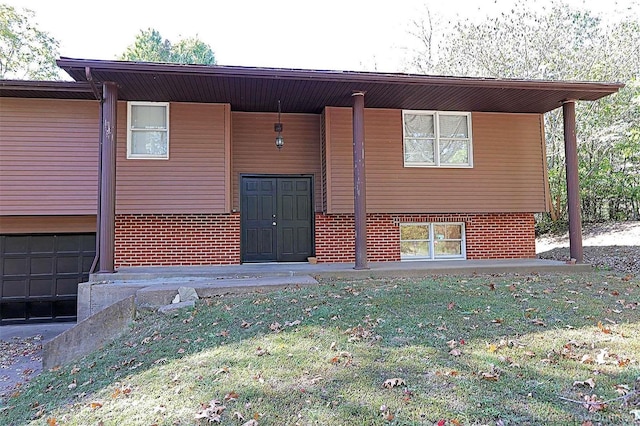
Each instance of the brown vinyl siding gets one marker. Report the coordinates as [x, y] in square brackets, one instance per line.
[254, 150]
[48, 156]
[47, 224]
[192, 180]
[507, 173]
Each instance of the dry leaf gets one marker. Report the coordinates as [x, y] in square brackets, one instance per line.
[493, 377]
[586, 359]
[231, 396]
[333, 346]
[223, 333]
[245, 324]
[497, 321]
[589, 382]
[238, 416]
[275, 327]
[388, 416]
[605, 330]
[451, 305]
[636, 414]
[252, 422]
[455, 352]
[593, 404]
[455, 422]
[392, 383]
[95, 405]
[261, 351]
[452, 344]
[492, 348]
[51, 421]
[539, 322]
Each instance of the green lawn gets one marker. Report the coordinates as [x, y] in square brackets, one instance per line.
[451, 350]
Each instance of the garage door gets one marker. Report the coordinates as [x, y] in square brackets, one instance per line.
[39, 275]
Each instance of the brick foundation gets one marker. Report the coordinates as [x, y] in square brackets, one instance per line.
[177, 239]
[214, 239]
[488, 236]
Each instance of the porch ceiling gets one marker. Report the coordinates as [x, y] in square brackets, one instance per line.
[309, 91]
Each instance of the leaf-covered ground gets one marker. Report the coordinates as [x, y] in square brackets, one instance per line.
[498, 350]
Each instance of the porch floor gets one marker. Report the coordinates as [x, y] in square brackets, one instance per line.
[344, 270]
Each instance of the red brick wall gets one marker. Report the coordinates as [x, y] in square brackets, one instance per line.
[177, 239]
[488, 236]
[214, 239]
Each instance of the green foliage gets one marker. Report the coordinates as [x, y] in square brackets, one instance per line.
[25, 51]
[149, 46]
[561, 43]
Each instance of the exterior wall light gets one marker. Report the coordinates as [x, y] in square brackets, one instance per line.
[277, 127]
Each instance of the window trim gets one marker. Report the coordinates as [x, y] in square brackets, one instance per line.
[436, 150]
[130, 130]
[432, 241]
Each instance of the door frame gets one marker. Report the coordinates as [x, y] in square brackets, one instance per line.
[312, 211]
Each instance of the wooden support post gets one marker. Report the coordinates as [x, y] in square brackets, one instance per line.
[359, 182]
[573, 181]
[108, 178]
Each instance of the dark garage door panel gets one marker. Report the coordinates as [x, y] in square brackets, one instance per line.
[39, 275]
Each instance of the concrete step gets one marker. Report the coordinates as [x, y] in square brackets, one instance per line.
[158, 295]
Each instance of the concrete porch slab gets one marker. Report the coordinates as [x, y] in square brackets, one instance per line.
[343, 270]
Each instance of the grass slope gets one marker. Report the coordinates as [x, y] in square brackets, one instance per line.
[478, 350]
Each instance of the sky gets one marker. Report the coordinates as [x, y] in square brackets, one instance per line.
[353, 35]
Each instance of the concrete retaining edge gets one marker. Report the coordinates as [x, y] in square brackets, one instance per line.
[90, 334]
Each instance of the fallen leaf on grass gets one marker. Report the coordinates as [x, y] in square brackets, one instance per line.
[455, 352]
[251, 422]
[452, 344]
[539, 322]
[492, 377]
[636, 414]
[392, 383]
[451, 305]
[51, 421]
[95, 405]
[275, 327]
[231, 396]
[261, 351]
[223, 333]
[245, 324]
[212, 412]
[589, 382]
[388, 416]
[593, 404]
[238, 416]
[586, 359]
[605, 330]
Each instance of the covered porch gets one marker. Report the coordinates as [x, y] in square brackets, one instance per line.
[260, 90]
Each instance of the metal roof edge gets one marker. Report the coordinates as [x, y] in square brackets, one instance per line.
[46, 85]
[338, 76]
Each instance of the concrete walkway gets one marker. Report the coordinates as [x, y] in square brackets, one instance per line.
[343, 270]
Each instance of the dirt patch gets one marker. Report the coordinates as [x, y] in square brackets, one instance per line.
[612, 246]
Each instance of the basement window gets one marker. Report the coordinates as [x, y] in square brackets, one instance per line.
[148, 130]
[437, 139]
[432, 241]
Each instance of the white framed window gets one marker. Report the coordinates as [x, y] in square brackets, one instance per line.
[432, 241]
[148, 130]
[437, 139]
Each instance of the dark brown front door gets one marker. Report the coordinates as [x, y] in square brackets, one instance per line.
[39, 275]
[276, 218]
